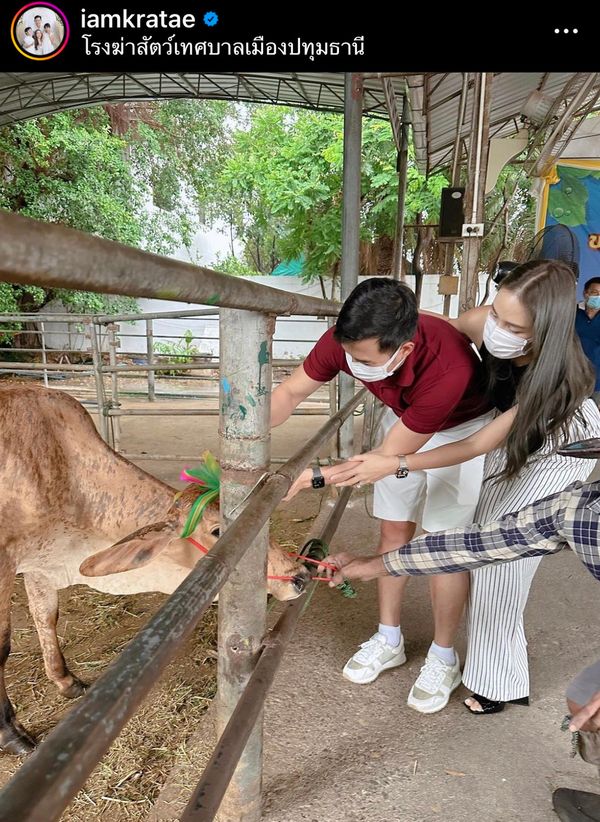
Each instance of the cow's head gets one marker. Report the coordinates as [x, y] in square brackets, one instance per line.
[161, 543]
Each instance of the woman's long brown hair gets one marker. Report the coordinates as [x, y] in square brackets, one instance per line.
[559, 377]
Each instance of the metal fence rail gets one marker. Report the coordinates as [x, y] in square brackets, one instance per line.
[65, 258]
[102, 334]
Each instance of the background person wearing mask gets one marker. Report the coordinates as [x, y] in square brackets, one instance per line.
[587, 325]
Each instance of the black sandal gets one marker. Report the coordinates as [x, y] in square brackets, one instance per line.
[575, 806]
[493, 706]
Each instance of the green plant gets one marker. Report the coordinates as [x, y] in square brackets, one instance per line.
[237, 268]
[280, 188]
[180, 351]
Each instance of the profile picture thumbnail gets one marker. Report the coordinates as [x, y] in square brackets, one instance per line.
[40, 31]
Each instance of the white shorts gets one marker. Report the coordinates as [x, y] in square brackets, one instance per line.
[437, 498]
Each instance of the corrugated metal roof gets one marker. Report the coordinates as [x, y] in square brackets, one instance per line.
[435, 101]
[31, 94]
[434, 97]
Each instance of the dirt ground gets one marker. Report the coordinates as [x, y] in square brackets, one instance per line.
[342, 752]
[94, 627]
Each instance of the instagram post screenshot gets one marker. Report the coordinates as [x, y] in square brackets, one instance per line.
[297, 303]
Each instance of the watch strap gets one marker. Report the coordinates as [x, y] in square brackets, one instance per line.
[403, 470]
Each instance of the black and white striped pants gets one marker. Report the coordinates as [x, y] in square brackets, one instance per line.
[496, 662]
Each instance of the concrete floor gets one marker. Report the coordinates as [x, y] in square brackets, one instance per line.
[337, 752]
[349, 752]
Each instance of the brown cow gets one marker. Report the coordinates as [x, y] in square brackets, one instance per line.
[72, 512]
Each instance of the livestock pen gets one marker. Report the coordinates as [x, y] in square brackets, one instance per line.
[235, 566]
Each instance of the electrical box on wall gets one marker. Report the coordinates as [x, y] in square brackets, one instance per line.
[447, 285]
[472, 230]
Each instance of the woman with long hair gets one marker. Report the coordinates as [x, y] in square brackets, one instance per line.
[540, 382]
[38, 40]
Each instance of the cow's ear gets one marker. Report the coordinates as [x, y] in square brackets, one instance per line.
[133, 551]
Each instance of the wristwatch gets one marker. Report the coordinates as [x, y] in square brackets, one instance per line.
[403, 470]
[318, 480]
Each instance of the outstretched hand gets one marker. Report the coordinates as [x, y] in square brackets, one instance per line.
[352, 567]
[588, 716]
[365, 468]
[305, 478]
[303, 481]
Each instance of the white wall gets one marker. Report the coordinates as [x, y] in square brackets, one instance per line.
[305, 331]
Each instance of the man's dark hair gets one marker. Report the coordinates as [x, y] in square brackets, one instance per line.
[593, 281]
[38, 17]
[378, 308]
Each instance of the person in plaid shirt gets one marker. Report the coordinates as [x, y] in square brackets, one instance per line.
[569, 519]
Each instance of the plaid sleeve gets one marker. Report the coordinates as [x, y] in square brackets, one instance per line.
[580, 525]
[531, 532]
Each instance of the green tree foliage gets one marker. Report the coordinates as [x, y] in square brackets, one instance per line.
[510, 218]
[148, 174]
[69, 168]
[281, 187]
[98, 170]
[176, 149]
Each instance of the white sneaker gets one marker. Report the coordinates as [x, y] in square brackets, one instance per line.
[374, 656]
[435, 683]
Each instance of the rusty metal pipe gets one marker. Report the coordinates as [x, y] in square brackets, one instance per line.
[65, 258]
[245, 450]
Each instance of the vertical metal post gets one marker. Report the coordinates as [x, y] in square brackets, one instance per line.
[353, 99]
[44, 358]
[150, 359]
[402, 169]
[246, 340]
[115, 422]
[475, 195]
[450, 248]
[333, 387]
[100, 395]
[448, 261]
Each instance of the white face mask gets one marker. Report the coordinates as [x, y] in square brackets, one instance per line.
[372, 373]
[500, 343]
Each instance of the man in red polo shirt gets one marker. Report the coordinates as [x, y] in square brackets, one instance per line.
[429, 377]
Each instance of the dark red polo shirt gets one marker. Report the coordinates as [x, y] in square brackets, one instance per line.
[438, 386]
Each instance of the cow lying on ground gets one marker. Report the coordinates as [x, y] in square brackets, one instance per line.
[67, 500]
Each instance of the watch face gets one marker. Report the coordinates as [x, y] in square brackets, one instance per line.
[402, 473]
[318, 480]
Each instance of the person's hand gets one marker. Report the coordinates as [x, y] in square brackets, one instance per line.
[364, 468]
[303, 481]
[352, 567]
[588, 716]
[305, 478]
